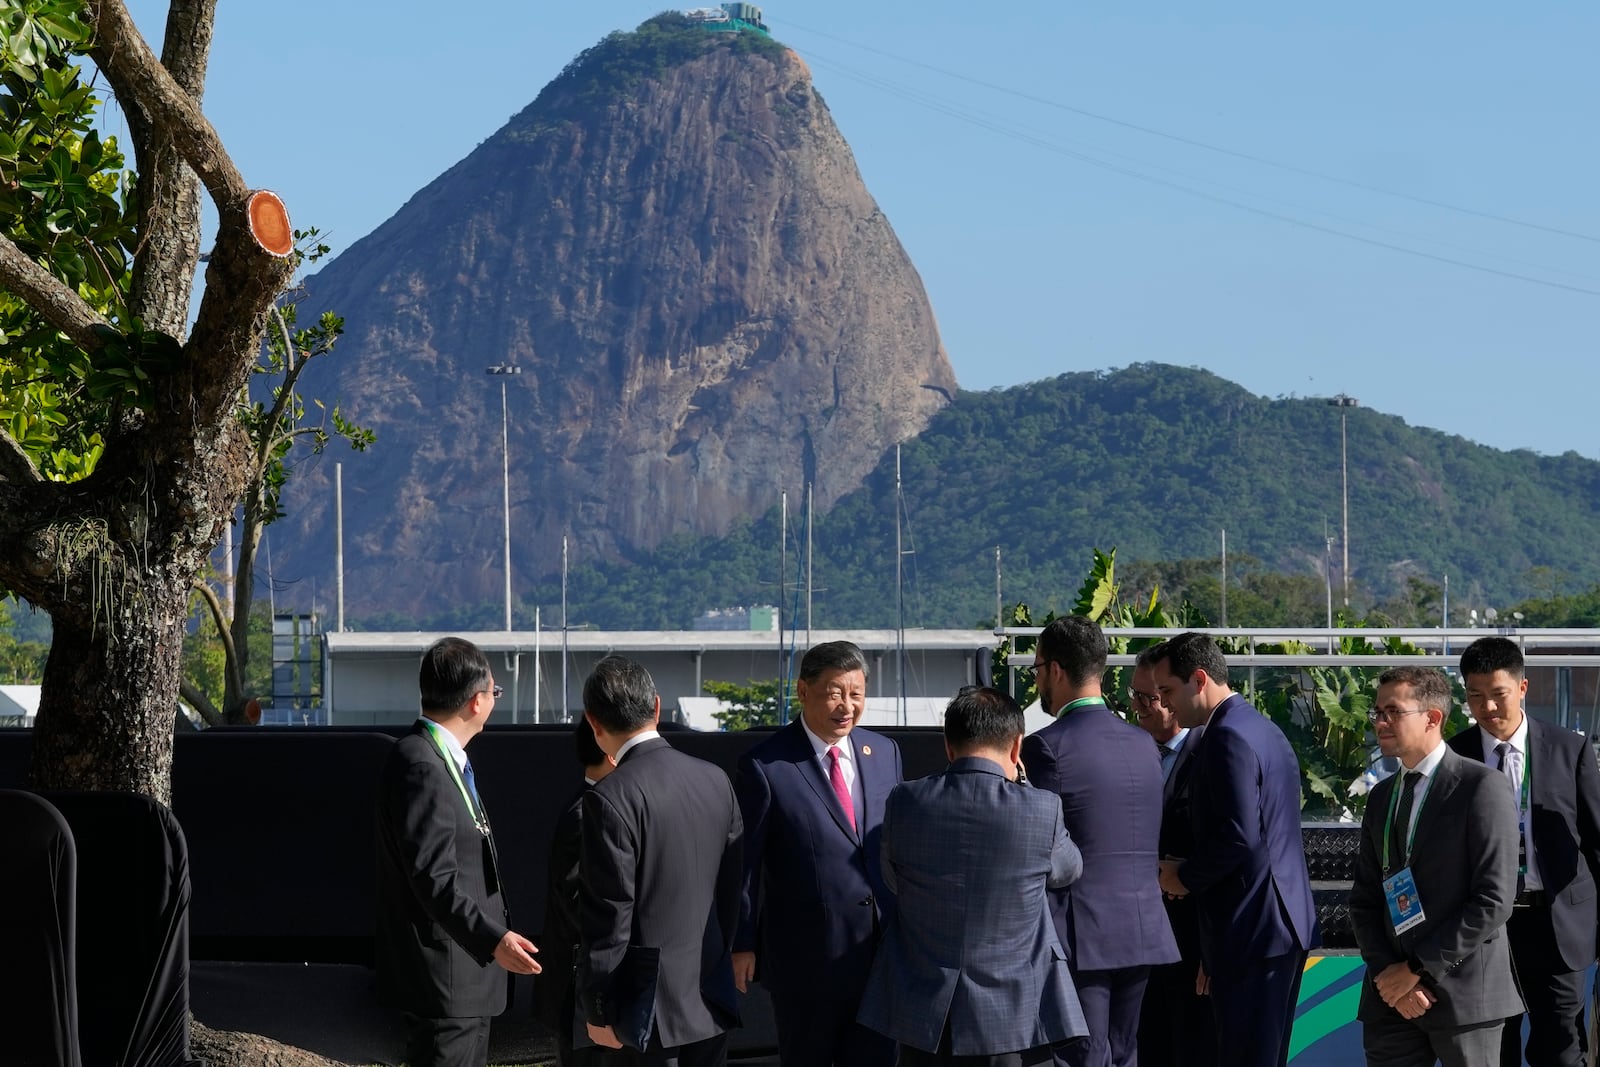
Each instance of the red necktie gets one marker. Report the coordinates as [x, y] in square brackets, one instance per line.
[840, 790]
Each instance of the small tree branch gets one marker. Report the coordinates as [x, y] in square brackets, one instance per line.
[137, 75]
[230, 655]
[50, 297]
[201, 703]
[15, 464]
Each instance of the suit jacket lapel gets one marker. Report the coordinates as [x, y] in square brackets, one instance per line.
[1445, 779]
[811, 771]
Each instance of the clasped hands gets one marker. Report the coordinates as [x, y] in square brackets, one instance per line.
[1402, 989]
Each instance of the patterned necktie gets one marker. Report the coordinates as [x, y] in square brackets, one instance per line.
[1503, 750]
[840, 790]
[1402, 819]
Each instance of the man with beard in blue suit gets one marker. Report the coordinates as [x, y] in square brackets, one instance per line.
[1248, 870]
[1108, 776]
[812, 796]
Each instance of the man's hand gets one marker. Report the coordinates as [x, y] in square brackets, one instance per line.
[744, 969]
[1168, 878]
[604, 1036]
[515, 954]
[1202, 982]
[1394, 982]
[1413, 1004]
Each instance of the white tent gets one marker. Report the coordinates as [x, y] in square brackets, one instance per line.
[18, 704]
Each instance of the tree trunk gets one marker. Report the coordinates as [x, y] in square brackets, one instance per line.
[105, 712]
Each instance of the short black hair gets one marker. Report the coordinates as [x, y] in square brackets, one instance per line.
[1190, 652]
[454, 670]
[1489, 654]
[620, 694]
[1077, 645]
[981, 717]
[1429, 686]
[590, 754]
[832, 656]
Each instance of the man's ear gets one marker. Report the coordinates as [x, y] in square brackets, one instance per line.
[656, 719]
[1016, 749]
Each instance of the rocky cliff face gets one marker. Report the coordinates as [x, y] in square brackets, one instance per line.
[706, 304]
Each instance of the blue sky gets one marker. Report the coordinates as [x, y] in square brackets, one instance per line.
[1038, 262]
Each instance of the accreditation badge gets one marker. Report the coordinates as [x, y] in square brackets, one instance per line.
[1405, 906]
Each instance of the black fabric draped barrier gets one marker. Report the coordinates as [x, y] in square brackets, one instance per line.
[37, 983]
[133, 930]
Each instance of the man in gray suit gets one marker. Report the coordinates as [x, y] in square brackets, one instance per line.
[1434, 884]
[971, 970]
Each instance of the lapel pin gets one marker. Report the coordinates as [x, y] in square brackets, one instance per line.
[866, 750]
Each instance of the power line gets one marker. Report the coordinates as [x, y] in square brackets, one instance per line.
[933, 104]
[1194, 143]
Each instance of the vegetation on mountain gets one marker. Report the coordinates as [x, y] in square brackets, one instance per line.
[1156, 460]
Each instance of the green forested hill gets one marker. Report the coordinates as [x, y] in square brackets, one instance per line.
[1155, 461]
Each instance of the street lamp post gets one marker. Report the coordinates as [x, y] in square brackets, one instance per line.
[502, 369]
[1344, 404]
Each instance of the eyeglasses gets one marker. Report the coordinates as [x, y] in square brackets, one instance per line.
[1147, 699]
[497, 691]
[1039, 664]
[1376, 716]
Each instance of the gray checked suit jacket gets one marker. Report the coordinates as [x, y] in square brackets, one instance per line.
[1464, 862]
[969, 854]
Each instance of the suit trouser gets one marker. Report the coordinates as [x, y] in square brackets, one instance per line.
[1553, 994]
[944, 1057]
[1395, 1042]
[712, 1052]
[1111, 1001]
[1255, 1011]
[458, 1042]
[1176, 1025]
[823, 1032]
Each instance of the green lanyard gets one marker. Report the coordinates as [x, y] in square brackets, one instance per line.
[1081, 702]
[1416, 817]
[479, 820]
[1527, 778]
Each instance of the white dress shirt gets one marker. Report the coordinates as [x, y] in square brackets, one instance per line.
[847, 765]
[1519, 767]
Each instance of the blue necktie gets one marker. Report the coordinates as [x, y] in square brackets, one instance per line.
[472, 788]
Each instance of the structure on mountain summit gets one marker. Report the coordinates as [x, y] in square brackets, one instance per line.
[729, 18]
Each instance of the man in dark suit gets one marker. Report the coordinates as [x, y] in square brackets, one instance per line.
[1433, 887]
[442, 924]
[1247, 872]
[1552, 776]
[554, 993]
[971, 971]
[659, 884]
[812, 796]
[1176, 1026]
[1108, 776]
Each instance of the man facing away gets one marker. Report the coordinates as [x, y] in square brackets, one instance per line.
[1552, 776]
[1247, 872]
[812, 796]
[554, 993]
[443, 943]
[658, 884]
[1433, 886]
[1108, 777]
[971, 971]
[1176, 1027]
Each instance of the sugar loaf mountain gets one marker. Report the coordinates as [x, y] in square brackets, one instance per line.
[675, 248]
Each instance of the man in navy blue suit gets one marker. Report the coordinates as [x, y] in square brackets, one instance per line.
[812, 797]
[1247, 873]
[1108, 776]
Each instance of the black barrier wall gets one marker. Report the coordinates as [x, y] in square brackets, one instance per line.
[280, 824]
[280, 828]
